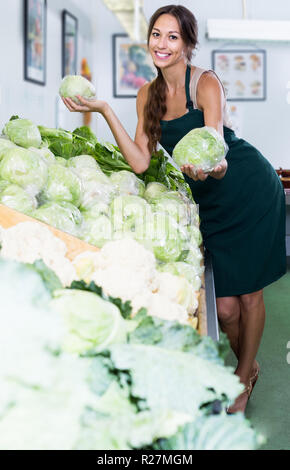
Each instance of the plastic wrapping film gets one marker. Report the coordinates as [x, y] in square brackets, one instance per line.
[202, 147]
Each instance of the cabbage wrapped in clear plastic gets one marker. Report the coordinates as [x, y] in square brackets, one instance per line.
[23, 132]
[202, 147]
[25, 168]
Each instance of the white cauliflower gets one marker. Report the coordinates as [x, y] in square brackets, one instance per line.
[29, 241]
[177, 289]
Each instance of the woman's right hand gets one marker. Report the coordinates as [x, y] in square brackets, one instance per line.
[86, 105]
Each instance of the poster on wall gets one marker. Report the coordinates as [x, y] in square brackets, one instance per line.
[35, 41]
[69, 43]
[242, 72]
[132, 66]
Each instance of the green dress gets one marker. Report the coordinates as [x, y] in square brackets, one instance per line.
[242, 215]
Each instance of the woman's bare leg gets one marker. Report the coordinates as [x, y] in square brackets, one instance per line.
[252, 320]
[251, 329]
[229, 313]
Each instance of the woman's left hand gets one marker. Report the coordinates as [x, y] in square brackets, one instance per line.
[218, 172]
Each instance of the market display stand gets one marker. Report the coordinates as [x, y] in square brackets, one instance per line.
[207, 321]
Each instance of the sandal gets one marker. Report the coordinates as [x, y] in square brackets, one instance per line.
[254, 378]
[248, 390]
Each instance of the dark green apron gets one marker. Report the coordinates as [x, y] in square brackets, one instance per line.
[242, 215]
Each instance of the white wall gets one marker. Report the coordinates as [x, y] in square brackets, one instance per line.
[264, 124]
[25, 98]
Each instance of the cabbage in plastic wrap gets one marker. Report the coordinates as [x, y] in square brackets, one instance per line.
[62, 185]
[202, 147]
[25, 168]
[23, 132]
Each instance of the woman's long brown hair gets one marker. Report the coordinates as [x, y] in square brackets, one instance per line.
[155, 107]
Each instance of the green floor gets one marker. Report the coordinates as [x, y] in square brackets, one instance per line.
[269, 406]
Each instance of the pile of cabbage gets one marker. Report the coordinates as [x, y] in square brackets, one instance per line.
[77, 372]
[74, 194]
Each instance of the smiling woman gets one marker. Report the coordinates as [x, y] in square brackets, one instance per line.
[242, 216]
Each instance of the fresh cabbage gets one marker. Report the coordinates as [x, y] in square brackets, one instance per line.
[185, 270]
[127, 211]
[96, 209]
[25, 168]
[172, 204]
[17, 198]
[23, 132]
[162, 234]
[61, 215]
[96, 186]
[83, 161]
[73, 85]
[92, 323]
[96, 231]
[45, 153]
[127, 183]
[5, 144]
[62, 185]
[154, 190]
[62, 161]
[202, 147]
[195, 236]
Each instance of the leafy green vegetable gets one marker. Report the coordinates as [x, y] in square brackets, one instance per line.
[92, 323]
[214, 433]
[127, 183]
[50, 279]
[160, 233]
[5, 144]
[124, 307]
[73, 85]
[18, 199]
[202, 147]
[65, 144]
[25, 168]
[156, 371]
[63, 185]
[87, 134]
[23, 132]
[154, 190]
[61, 215]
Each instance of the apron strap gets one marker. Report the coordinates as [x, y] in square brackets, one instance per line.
[189, 103]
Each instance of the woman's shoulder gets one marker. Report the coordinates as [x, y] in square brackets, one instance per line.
[143, 92]
[209, 85]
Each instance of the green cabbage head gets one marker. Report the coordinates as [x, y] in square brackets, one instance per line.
[162, 235]
[18, 199]
[23, 132]
[73, 85]
[154, 190]
[25, 168]
[61, 215]
[202, 147]
[62, 185]
[127, 182]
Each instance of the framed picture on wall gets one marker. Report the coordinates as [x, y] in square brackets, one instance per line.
[132, 66]
[35, 41]
[242, 72]
[69, 43]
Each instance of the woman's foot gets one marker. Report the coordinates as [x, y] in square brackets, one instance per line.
[241, 401]
[254, 373]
